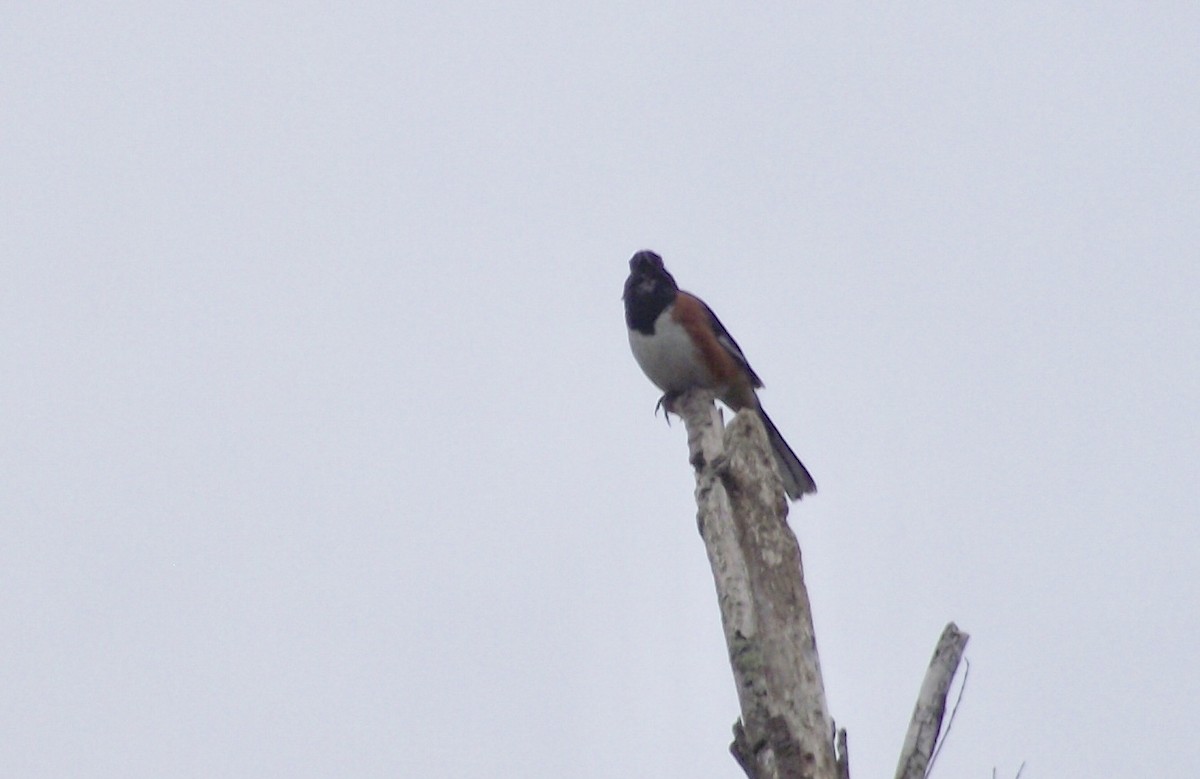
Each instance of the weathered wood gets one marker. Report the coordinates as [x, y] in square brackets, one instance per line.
[785, 731]
[926, 721]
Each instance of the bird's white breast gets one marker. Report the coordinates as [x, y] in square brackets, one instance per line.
[668, 357]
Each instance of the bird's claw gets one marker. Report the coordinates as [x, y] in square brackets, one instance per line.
[667, 404]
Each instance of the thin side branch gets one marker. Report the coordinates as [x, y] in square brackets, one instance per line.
[927, 715]
[843, 755]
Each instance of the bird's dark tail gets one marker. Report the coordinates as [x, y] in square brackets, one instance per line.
[796, 480]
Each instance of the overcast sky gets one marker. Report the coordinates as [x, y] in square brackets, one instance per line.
[324, 453]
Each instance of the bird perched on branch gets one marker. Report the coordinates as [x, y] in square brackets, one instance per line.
[680, 345]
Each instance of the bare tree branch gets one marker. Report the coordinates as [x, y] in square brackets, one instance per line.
[927, 715]
[785, 731]
[962, 688]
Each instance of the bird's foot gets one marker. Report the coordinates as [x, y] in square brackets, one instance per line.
[667, 404]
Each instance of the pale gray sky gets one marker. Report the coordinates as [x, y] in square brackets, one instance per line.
[324, 454]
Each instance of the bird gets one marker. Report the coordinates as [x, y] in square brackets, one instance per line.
[680, 345]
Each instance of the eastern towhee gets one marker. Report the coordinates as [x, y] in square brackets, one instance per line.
[680, 344]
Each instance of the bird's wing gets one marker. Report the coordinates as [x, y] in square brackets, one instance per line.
[731, 346]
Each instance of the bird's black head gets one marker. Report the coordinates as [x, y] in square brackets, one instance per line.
[648, 290]
[646, 261]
